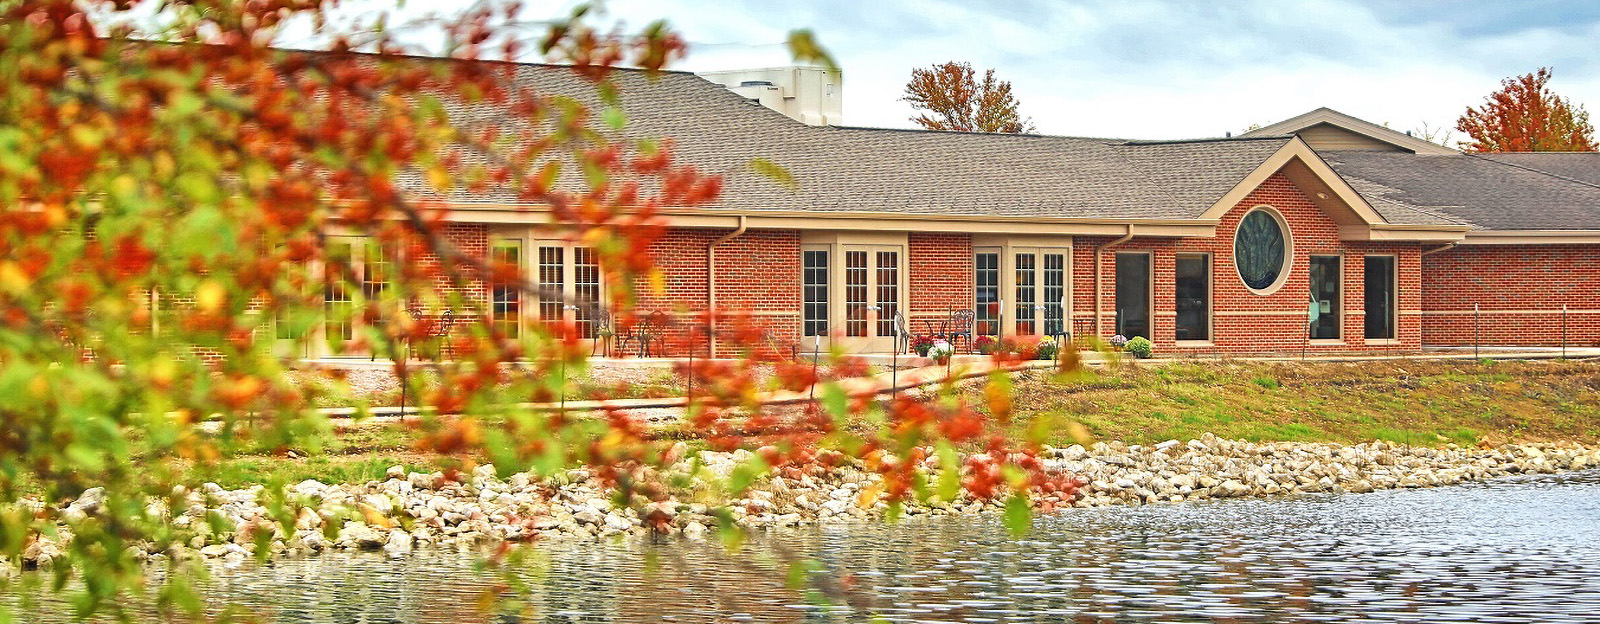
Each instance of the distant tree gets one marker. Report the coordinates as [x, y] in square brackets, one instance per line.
[1524, 116]
[1432, 133]
[954, 99]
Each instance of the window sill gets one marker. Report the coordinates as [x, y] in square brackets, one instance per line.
[1192, 344]
[1326, 341]
[1382, 341]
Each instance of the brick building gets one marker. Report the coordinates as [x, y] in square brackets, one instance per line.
[1323, 232]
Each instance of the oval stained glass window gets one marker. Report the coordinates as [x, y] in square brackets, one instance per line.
[1259, 249]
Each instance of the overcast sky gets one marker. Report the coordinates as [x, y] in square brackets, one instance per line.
[1158, 69]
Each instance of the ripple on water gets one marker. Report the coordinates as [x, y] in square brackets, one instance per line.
[1515, 550]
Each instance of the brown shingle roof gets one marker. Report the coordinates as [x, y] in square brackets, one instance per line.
[909, 171]
[1498, 192]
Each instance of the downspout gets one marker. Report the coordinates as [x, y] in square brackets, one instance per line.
[1125, 238]
[711, 286]
[1438, 249]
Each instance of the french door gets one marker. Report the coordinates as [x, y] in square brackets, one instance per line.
[1039, 278]
[372, 269]
[568, 278]
[872, 296]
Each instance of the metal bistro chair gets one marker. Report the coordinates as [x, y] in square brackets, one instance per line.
[600, 326]
[959, 326]
[653, 335]
[902, 330]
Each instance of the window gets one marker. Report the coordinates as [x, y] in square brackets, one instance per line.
[1133, 294]
[1261, 249]
[815, 291]
[986, 292]
[505, 300]
[1192, 296]
[1380, 297]
[1325, 278]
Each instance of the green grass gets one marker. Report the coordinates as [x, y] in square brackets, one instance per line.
[1419, 403]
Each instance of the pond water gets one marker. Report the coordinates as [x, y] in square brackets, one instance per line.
[1516, 550]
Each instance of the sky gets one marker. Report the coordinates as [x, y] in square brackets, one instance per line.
[1151, 69]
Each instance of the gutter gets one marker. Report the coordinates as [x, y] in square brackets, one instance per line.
[1125, 238]
[1438, 249]
[711, 286]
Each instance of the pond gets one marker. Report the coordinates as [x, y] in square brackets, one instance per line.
[1515, 550]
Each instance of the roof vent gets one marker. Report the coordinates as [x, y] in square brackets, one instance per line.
[756, 83]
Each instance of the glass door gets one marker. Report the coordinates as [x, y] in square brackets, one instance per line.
[1040, 289]
[872, 296]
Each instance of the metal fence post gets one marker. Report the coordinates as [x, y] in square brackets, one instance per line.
[1563, 331]
[1475, 335]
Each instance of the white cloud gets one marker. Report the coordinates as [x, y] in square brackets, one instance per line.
[1149, 68]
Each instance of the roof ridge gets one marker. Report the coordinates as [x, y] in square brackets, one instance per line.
[965, 132]
[1264, 137]
[1535, 170]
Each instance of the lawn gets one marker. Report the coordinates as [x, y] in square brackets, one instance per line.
[1420, 403]
[1412, 402]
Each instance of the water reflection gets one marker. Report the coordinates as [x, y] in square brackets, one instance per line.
[1519, 550]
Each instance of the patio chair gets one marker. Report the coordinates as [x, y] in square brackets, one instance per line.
[601, 328]
[902, 330]
[440, 330]
[652, 334]
[959, 326]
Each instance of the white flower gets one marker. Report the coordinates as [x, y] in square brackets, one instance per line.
[941, 350]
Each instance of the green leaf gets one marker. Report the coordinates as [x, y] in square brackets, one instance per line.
[743, 475]
[1018, 516]
[804, 47]
[775, 172]
[614, 118]
[836, 402]
[949, 471]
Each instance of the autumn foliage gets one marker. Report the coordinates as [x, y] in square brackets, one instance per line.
[170, 224]
[1525, 116]
[952, 98]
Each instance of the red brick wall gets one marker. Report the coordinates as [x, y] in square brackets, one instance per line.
[758, 279]
[1243, 321]
[1518, 288]
[472, 239]
[940, 275]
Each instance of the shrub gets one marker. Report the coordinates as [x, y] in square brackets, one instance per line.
[986, 344]
[1140, 347]
[921, 344]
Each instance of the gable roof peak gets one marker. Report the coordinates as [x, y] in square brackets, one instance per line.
[1352, 125]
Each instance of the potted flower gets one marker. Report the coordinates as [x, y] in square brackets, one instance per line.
[986, 344]
[941, 351]
[921, 344]
[1046, 349]
[1118, 341]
